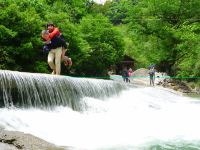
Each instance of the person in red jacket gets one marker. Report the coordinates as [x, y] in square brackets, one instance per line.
[55, 47]
[54, 31]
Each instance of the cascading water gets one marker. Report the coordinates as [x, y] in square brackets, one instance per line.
[143, 118]
[47, 91]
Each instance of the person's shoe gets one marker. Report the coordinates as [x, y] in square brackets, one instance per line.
[69, 61]
[54, 72]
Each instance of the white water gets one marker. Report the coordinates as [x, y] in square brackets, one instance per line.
[135, 118]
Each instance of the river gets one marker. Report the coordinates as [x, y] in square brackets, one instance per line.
[133, 118]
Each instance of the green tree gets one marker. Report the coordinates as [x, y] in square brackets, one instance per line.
[117, 10]
[157, 27]
[19, 29]
[106, 44]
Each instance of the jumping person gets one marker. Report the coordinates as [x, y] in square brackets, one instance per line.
[55, 45]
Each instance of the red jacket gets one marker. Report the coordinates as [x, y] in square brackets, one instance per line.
[54, 33]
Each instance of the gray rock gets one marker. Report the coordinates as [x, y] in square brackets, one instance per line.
[13, 140]
[4, 146]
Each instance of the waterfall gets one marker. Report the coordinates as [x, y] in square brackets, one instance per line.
[98, 114]
[21, 89]
[142, 118]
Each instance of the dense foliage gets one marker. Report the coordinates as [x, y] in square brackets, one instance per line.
[165, 33]
[94, 45]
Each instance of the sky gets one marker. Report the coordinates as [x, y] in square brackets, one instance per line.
[100, 1]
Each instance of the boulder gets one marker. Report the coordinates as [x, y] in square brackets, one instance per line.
[141, 72]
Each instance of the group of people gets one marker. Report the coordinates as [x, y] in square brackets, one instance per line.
[126, 74]
[56, 48]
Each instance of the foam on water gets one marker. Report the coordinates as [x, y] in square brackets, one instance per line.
[133, 119]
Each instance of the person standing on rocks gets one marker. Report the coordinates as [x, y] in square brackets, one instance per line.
[130, 73]
[125, 74]
[152, 76]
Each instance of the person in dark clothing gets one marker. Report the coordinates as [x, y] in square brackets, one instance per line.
[55, 42]
[152, 76]
[54, 31]
[55, 46]
[125, 75]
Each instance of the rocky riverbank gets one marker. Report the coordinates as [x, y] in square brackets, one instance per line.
[179, 86]
[13, 140]
[165, 81]
[141, 77]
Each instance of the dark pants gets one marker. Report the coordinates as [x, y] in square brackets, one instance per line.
[125, 79]
[152, 79]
